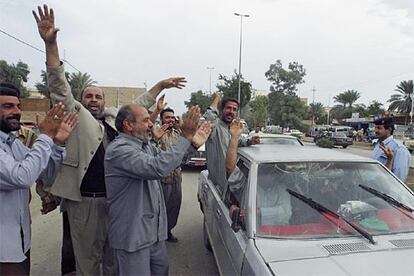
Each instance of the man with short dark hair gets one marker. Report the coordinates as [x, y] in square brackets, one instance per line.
[389, 151]
[218, 142]
[20, 168]
[137, 222]
[81, 180]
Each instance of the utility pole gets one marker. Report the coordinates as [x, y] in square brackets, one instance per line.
[240, 53]
[313, 106]
[210, 68]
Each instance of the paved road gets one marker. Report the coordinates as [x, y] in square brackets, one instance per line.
[187, 257]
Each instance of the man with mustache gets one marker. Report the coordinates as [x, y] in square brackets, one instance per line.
[81, 180]
[218, 142]
[137, 221]
[20, 168]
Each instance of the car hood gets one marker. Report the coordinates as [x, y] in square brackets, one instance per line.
[389, 256]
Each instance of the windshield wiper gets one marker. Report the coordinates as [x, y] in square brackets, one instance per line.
[389, 199]
[322, 209]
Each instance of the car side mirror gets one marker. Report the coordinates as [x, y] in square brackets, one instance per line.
[234, 213]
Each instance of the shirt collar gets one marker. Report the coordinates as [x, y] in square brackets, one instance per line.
[138, 141]
[386, 141]
[7, 138]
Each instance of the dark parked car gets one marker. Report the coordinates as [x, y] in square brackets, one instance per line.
[337, 138]
[195, 158]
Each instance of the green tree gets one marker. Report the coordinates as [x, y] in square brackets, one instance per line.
[375, 108]
[79, 81]
[285, 107]
[361, 109]
[258, 115]
[200, 99]
[16, 74]
[401, 102]
[317, 111]
[347, 97]
[229, 86]
[42, 86]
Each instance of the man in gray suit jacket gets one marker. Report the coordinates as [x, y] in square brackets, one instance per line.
[137, 219]
[80, 181]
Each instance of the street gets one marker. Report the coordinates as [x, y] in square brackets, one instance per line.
[187, 257]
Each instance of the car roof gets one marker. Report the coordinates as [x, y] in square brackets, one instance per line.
[290, 153]
[271, 135]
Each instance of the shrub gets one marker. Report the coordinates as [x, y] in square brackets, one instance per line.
[324, 143]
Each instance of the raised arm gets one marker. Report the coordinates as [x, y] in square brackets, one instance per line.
[212, 112]
[161, 104]
[59, 87]
[148, 98]
[236, 129]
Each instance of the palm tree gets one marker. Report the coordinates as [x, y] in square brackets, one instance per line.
[42, 86]
[402, 102]
[347, 97]
[79, 81]
[375, 108]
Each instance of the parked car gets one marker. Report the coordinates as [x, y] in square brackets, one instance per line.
[195, 158]
[337, 138]
[296, 133]
[279, 139]
[309, 211]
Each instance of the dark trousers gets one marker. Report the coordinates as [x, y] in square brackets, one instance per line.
[67, 264]
[172, 197]
[22, 268]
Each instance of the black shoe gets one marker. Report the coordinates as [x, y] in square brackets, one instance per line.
[171, 238]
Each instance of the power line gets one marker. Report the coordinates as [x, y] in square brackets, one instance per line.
[34, 47]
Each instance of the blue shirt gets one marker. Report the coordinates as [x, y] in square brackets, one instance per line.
[401, 160]
[19, 169]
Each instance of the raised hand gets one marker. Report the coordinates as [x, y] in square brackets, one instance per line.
[177, 82]
[46, 24]
[178, 123]
[158, 132]
[50, 125]
[68, 124]
[236, 128]
[161, 104]
[201, 135]
[216, 99]
[191, 122]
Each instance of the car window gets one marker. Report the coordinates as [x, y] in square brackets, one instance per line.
[336, 186]
[236, 186]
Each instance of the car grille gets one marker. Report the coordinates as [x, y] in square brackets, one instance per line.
[346, 248]
[403, 243]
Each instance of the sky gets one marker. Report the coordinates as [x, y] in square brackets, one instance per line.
[365, 45]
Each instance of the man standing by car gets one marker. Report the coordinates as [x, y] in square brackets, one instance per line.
[389, 151]
[137, 226]
[218, 142]
[81, 182]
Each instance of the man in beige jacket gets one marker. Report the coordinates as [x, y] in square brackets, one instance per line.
[80, 182]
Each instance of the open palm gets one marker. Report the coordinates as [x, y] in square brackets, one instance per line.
[46, 24]
[201, 135]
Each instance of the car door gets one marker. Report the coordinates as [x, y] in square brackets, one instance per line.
[233, 244]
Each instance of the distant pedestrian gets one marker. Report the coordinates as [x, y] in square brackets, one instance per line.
[389, 151]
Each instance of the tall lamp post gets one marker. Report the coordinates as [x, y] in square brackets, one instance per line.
[210, 68]
[240, 52]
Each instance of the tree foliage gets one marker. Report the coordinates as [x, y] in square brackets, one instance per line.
[317, 111]
[259, 114]
[200, 99]
[16, 74]
[401, 102]
[348, 97]
[229, 86]
[375, 108]
[285, 107]
[79, 81]
[42, 86]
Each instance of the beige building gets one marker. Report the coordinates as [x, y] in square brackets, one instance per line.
[119, 96]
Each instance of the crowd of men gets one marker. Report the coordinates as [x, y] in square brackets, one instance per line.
[115, 175]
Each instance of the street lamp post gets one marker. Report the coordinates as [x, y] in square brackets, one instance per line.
[210, 68]
[240, 52]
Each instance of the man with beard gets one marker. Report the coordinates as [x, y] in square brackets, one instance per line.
[389, 151]
[137, 226]
[218, 142]
[81, 181]
[20, 168]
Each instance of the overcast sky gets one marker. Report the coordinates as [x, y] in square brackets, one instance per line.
[367, 45]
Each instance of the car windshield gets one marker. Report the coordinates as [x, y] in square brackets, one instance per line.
[339, 135]
[279, 141]
[348, 189]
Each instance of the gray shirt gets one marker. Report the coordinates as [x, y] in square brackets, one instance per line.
[135, 204]
[216, 148]
[20, 168]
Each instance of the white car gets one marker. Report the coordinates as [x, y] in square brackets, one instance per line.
[308, 211]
